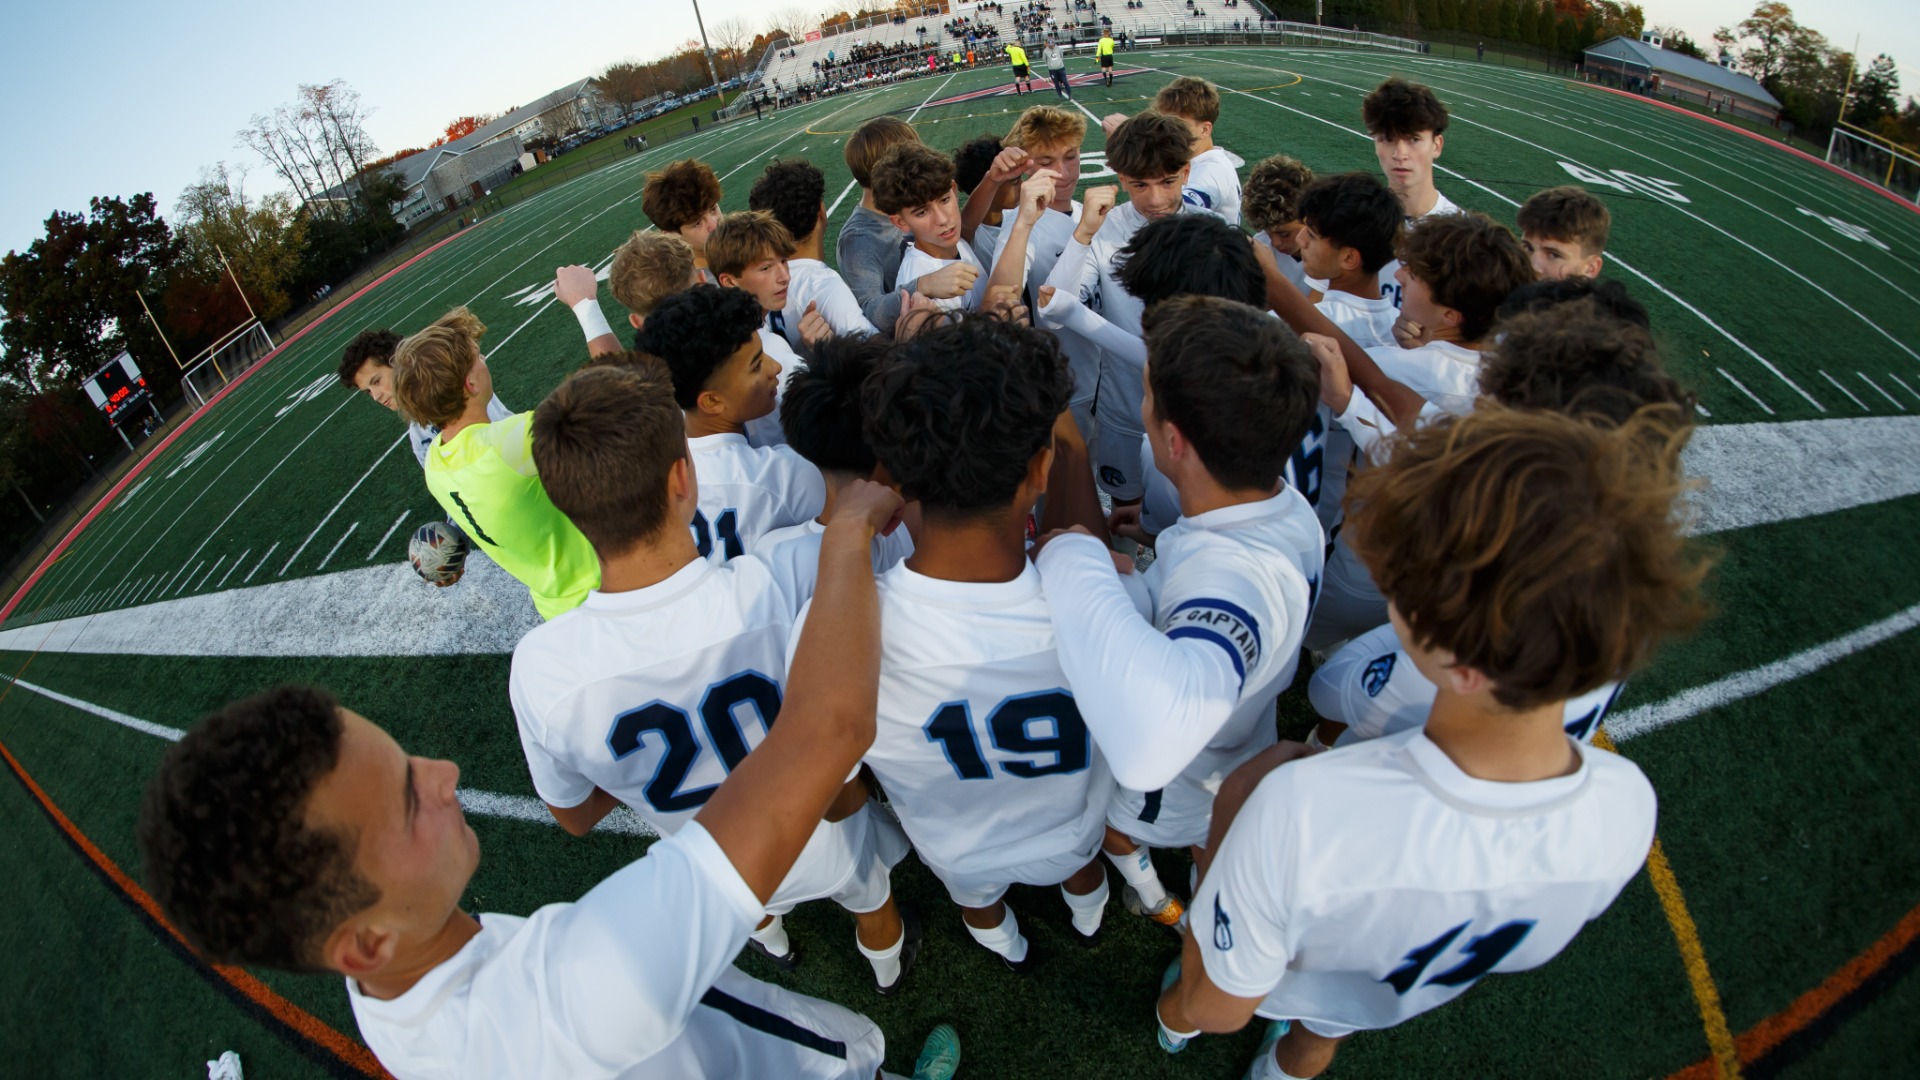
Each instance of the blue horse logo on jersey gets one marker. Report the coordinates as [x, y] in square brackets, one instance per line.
[1222, 927]
[1196, 197]
[1374, 679]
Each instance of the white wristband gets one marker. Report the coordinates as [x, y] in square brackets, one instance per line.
[593, 321]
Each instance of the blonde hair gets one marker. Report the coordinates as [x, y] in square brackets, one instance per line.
[1190, 99]
[430, 368]
[1044, 125]
[648, 268]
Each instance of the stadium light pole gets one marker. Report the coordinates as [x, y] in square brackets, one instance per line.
[708, 49]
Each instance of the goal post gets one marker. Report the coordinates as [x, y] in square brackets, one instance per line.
[219, 363]
[1885, 162]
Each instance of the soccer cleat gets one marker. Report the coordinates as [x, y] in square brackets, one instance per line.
[1276, 1030]
[1170, 914]
[939, 1056]
[909, 952]
[1089, 941]
[784, 963]
[1026, 963]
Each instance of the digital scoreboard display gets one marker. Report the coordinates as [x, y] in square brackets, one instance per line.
[117, 389]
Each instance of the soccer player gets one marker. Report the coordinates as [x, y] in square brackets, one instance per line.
[749, 251]
[684, 198]
[1180, 698]
[1057, 69]
[1017, 56]
[914, 186]
[1150, 152]
[980, 745]
[1104, 50]
[823, 422]
[1349, 225]
[1270, 202]
[1565, 232]
[285, 831]
[794, 192]
[1211, 182]
[603, 699]
[646, 269]
[481, 471]
[367, 365]
[1409, 127]
[870, 246]
[710, 340]
[983, 213]
[1321, 906]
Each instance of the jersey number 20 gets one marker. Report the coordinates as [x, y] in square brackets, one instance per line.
[632, 728]
[1011, 725]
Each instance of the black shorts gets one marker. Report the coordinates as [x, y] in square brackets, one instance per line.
[1020, 71]
[1106, 61]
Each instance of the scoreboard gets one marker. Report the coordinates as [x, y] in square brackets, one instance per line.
[117, 389]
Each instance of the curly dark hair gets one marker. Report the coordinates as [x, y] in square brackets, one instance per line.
[820, 408]
[696, 331]
[960, 410]
[223, 842]
[909, 175]
[1191, 254]
[368, 346]
[679, 195]
[1236, 382]
[1578, 358]
[1398, 109]
[972, 160]
[793, 191]
[1271, 195]
[1150, 145]
[1608, 295]
[1470, 261]
[1355, 210]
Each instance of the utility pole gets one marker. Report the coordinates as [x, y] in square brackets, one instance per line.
[708, 49]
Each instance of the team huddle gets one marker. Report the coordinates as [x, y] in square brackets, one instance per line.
[1019, 522]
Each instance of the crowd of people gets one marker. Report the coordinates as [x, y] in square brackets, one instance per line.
[1019, 517]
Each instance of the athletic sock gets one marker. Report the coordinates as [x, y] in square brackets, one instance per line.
[1004, 939]
[774, 937]
[1136, 869]
[1269, 1069]
[1170, 1039]
[1087, 909]
[886, 962]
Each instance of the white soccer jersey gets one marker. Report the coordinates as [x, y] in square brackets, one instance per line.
[748, 491]
[1368, 322]
[766, 430]
[653, 998]
[888, 549]
[980, 745]
[1447, 375]
[986, 241]
[1213, 185]
[1372, 686]
[916, 264]
[1179, 701]
[420, 436]
[1087, 270]
[1050, 236]
[1290, 266]
[1389, 284]
[1361, 887]
[813, 282]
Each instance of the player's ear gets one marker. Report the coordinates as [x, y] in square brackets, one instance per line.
[1464, 680]
[1439, 144]
[358, 948]
[1038, 467]
[728, 281]
[635, 320]
[899, 222]
[711, 403]
[1352, 263]
[1594, 263]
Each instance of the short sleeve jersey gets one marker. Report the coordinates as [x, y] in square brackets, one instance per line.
[1368, 322]
[980, 745]
[1362, 887]
[1213, 185]
[1017, 56]
[655, 694]
[1445, 374]
[420, 436]
[485, 481]
[1097, 282]
[748, 491]
[916, 264]
[1373, 687]
[766, 430]
[814, 282]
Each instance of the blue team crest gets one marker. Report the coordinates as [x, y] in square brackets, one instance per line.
[1111, 476]
[1374, 679]
[1222, 926]
[1196, 197]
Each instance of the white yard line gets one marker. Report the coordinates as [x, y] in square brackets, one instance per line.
[184, 578]
[336, 546]
[261, 563]
[231, 569]
[382, 542]
[1742, 387]
[210, 572]
[1876, 387]
[1903, 384]
[343, 500]
[1837, 386]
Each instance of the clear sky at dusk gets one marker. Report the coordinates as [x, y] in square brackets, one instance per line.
[114, 98]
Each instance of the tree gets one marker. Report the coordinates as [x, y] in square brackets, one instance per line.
[1674, 39]
[70, 299]
[316, 143]
[1773, 30]
[626, 83]
[733, 35]
[792, 22]
[1876, 93]
[460, 128]
[1724, 39]
[262, 241]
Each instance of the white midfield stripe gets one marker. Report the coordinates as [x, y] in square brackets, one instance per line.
[1860, 461]
[1636, 722]
[484, 803]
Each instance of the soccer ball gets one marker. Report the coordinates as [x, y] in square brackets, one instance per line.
[438, 552]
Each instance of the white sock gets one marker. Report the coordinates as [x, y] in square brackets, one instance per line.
[1004, 939]
[886, 962]
[1269, 1069]
[1136, 868]
[1172, 1036]
[1087, 909]
[774, 937]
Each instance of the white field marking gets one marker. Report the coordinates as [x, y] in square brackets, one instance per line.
[1862, 460]
[844, 192]
[231, 569]
[1903, 383]
[336, 546]
[1089, 112]
[1644, 719]
[929, 97]
[1876, 386]
[1837, 385]
[141, 598]
[184, 578]
[1742, 387]
[484, 803]
[382, 542]
[801, 129]
[343, 501]
[1615, 258]
[176, 573]
[261, 563]
[209, 574]
[1810, 283]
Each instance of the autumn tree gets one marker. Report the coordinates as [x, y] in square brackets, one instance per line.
[732, 36]
[626, 83]
[1876, 93]
[261, 239]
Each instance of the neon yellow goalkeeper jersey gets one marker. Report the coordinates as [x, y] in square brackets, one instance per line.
[485, 481]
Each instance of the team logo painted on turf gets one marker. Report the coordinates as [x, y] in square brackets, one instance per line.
[307, 393]
[1374, 679]
[193, 455]
[1631, 183]
[1222, 926]
[1845, 228]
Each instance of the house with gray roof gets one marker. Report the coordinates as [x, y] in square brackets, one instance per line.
[1632, 65]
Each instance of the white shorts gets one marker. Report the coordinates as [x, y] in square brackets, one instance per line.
[1116, 444]
[844, 862]
[984, 889]
[1176, 816]
[1319, 1027]
[745, 1027]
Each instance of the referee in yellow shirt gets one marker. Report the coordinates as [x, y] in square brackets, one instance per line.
[1021, 72]
[1105, 51]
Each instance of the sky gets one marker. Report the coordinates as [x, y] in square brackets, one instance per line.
[114, 98]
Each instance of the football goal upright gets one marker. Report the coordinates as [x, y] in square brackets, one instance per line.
[219, 363]
[1890, 164]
